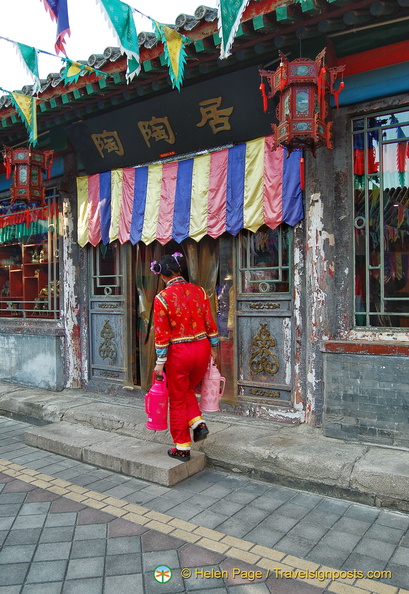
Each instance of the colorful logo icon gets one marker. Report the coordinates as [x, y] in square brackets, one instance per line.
[162, 574]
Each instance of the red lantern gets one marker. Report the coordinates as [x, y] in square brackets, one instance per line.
[29, 167]
[303, 86]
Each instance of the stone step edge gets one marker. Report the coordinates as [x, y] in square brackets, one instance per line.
[123, 454]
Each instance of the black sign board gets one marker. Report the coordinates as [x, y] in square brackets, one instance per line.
[217, 112]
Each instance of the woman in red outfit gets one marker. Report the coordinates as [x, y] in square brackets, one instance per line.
[185, 337]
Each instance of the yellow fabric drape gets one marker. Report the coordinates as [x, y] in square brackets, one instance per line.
[198, 206]
[254, 185]
[116, 203]
[82, 191]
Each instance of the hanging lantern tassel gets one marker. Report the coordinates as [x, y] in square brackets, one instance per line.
[321, 85]
[7, 162]
[264, 96]
[283, 76]
[302, 173]
[337, 92]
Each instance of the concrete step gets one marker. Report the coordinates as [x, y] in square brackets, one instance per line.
[138, 458]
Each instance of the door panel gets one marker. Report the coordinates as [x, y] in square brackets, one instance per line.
[264, 317]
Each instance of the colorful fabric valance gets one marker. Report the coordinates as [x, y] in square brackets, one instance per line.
[16, 225]
[243, 187]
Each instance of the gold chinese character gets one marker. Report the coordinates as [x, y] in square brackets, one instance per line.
[108, 141]
[158, 129]
[218, 119]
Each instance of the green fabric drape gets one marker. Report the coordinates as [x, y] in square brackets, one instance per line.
[21, 230]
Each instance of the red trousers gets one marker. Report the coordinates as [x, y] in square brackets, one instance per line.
[185, 368]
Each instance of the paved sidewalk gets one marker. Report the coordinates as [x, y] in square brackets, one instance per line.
[292, 455]
[69, 527]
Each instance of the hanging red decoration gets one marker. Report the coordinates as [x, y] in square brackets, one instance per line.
[264, 96]
[29, 167]
[303, 87]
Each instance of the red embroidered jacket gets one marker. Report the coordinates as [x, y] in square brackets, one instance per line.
[182, 314]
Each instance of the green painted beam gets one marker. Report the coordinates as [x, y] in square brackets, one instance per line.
[77, 94]
[199, 45]
[283, 15]
[43, 106]
[53, 103]
[308, 6]
[102, 83]
[258, 22]
[90, 89]
[65, 98]
[117, 77]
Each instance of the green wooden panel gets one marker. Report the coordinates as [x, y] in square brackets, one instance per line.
[258, 22]
[199, 45]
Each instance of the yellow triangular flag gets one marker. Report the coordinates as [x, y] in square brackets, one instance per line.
[27, 109]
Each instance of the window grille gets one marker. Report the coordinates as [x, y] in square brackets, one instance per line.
[106, 270]
[264, 260]
[381, 222]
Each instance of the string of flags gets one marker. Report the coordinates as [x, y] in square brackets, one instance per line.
[119, 17]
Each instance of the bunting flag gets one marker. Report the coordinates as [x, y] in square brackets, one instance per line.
[58, 10]
[72, 70]
[243, 187]
[229, 14]
[120, 19]
[29, 57]
[175, 54]
[26, 107]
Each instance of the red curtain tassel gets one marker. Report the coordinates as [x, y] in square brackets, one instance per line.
[263, 94]
[302, 173]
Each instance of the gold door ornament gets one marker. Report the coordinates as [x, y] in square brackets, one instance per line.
[263, 359]
[107, 348]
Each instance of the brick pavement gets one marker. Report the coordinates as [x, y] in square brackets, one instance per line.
[70, 527]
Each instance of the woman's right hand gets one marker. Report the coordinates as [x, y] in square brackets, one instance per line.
[159, 369]
[214, 352]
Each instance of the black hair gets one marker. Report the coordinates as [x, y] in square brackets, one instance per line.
[168, 265]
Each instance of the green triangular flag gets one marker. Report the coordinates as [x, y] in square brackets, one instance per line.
[120, 19]
[29, 58]
[229, 15]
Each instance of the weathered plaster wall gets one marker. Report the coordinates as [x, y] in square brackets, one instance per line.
[70, 274]
[33, 360]
[319, 276]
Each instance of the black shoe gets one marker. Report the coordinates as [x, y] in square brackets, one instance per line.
[200, 432]
[183, 455]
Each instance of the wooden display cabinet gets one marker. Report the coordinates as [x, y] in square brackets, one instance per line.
[24, 281]
[11, 281]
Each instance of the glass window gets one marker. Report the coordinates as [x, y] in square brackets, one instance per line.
[381, 221]
[264, 259]
[106, 270]
[29, 259]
